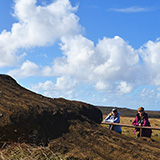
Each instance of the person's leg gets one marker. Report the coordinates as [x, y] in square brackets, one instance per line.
[146, 133]
[138, 135]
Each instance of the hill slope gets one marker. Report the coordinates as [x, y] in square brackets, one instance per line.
[27, 116]
[69, 127]
[85, 141]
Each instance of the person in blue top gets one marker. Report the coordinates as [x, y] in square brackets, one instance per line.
[114, 118]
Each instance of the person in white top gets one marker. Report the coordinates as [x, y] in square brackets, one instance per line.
[114, 118]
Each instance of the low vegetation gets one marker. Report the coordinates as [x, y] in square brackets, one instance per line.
[23, 151]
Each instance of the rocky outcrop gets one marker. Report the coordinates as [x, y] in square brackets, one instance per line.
[29, 117]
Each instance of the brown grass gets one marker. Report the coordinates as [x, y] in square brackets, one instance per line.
[87, 142]
[23, 151]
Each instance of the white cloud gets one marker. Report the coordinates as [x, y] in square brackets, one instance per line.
[110, 61]
[77, 60]
[150, 52]
[7, 50]
[102, 66]
[37, 26]
[101, 86]
[110, 66]
[41, 25]
[123, 87]
[27, 69]
[114, 55]
[149, 93]
[133, 9]
[150, 56]
[64, 86]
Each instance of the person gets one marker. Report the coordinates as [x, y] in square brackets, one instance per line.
[142, 120]
[114, 118]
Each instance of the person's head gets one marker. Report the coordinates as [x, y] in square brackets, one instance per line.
[114, 111]
[140, 110]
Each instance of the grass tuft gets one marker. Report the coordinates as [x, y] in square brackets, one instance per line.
[18, 151]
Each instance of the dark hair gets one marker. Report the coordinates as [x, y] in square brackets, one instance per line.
[114, 110]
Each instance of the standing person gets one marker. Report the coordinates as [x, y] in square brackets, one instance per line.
[114, 118]
[142, 120]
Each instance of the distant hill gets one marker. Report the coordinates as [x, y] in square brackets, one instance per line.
[125, 112]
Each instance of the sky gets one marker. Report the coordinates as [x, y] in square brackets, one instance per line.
[101, 52]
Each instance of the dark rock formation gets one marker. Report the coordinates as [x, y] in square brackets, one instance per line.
[29, 117]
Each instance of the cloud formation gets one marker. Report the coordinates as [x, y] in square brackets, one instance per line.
[133, 9]
[36, 26]
[111, 66]
[27, 69]
[98, 64]
[64, 86]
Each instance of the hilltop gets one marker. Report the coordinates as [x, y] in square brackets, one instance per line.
[71, 128]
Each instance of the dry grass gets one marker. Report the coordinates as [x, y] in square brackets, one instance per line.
[17, 151]
[92, 140]
[155, 122]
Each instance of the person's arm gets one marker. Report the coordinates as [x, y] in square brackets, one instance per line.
[108, 118]
[135, 122]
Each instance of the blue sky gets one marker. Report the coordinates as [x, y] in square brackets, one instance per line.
[97, 51]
